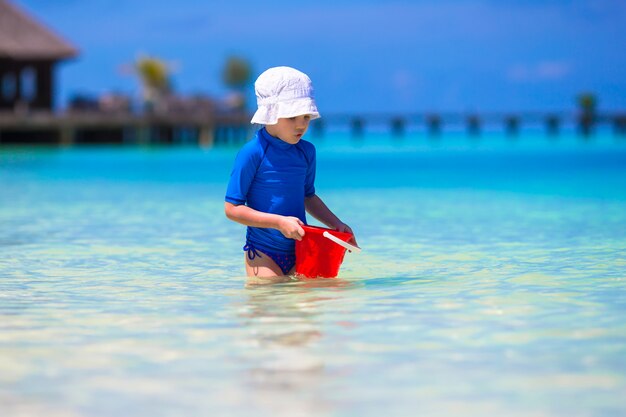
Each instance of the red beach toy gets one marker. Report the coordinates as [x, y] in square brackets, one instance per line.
[320, 252]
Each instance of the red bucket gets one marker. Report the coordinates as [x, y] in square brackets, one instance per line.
[317, 255]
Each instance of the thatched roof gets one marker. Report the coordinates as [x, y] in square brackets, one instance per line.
[21, 37]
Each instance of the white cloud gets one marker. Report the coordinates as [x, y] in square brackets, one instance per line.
[404, 83]
[541, 71]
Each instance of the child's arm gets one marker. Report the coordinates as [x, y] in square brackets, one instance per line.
[316, 208]
[290, 227]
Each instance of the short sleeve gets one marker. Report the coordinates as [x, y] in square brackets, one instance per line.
[242, 175]
[309, 184]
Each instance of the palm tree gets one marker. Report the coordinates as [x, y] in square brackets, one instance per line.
[587, 103]
[154, 74]
[237, 74]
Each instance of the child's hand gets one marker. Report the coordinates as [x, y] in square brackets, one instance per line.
[291, 227]
[342, 227]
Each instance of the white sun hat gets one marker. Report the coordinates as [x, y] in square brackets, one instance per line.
[283, 92]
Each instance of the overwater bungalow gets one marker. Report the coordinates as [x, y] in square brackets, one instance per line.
[29, 52]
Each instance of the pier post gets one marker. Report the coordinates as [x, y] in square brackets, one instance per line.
[433, 123]
[586, 124]
[142, 135]
[587, 116]
[473, 125]
[397, 126]
[619, 125]
[552, 125]
[66, 136]
[206, 137]
[512, 125]
[357, 127]
[243, 133]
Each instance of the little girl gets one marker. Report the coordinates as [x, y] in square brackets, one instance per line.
[273, 181]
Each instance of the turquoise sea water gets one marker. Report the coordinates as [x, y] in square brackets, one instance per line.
[492, 282]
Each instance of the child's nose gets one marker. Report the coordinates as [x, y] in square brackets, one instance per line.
[302, 123]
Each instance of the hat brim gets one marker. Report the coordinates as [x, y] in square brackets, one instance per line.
[270, 113]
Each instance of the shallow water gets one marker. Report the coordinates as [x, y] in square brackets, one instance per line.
[492, 282]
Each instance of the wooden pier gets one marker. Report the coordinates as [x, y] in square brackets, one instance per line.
[474, 124]
[207, 130]
[123, 128]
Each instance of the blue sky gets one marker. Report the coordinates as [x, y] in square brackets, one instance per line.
[364, 56]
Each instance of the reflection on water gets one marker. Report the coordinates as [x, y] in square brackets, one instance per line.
[285, 368]
[490, 283]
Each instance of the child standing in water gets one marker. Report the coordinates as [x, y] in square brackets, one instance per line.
[272, 184]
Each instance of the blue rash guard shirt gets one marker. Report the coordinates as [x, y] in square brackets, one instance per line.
[273, 176]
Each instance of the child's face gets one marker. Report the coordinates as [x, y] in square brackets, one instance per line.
[290, 130]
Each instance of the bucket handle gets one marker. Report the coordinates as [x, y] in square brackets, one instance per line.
[340, 242]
